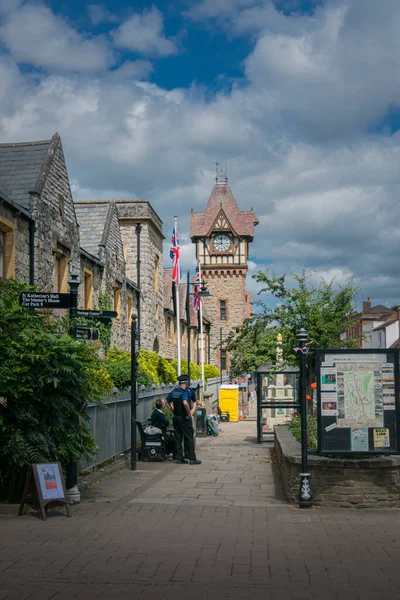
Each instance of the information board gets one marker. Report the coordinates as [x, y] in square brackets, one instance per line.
[45, 485]
[357, 397]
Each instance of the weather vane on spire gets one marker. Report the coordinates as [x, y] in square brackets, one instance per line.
[221, 173]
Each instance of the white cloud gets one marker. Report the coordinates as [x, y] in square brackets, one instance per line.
[296, 134]
[144, 33]
[34, 35]
[98, 13]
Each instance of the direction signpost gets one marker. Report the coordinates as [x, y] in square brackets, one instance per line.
[85, 333]
[44, 300]
[41, 300]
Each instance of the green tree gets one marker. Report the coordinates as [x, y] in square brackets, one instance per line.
[323, 309]
[46, 378]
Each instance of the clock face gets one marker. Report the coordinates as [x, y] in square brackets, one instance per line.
[222, 242]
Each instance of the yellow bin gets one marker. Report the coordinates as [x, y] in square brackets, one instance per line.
[229, 401]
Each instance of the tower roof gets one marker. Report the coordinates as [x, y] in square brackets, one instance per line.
[242, 221]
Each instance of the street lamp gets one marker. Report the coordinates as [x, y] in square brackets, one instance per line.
[202, 293]
[305, 492]
[134, 375]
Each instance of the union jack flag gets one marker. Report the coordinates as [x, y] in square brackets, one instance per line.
[196, 297]
[174, 255]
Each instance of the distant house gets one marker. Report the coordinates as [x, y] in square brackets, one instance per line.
[386, 334]
[365, 321]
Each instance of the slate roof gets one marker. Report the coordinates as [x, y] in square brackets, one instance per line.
[242, 221]
[24, 167]
[379, 308]
[92, 219]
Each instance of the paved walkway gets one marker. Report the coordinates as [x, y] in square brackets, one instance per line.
[218, 530]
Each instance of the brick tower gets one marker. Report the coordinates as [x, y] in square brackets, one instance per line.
[222, 234]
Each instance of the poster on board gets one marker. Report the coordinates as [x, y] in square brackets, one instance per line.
[50, 481]
[44, 486]
[359, 439]
[381, 438]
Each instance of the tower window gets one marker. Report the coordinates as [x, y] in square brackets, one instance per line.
[223, 360]
[222, 310]
[156, 269]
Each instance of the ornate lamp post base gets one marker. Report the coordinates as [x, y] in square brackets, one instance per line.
[305, 491]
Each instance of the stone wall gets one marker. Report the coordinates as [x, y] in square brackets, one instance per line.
[20, 226]
[151, 251]
[56, 225]
[228, 285]
[345, 482]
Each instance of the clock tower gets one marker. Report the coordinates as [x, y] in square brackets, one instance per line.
[222, 234]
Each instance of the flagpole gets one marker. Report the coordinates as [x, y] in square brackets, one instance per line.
[201, 337]
[178, 312]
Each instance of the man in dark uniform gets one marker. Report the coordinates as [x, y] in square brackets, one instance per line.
[179, 402]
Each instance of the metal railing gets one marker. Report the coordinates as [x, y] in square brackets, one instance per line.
[110, 424]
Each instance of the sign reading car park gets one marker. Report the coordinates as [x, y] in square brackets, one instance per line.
[44, 300]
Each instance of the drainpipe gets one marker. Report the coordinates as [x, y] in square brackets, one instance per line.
[32, 230]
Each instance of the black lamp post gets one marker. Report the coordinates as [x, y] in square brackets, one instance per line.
[202, 293]
[138, 231]
[134, 375]
[305, 492]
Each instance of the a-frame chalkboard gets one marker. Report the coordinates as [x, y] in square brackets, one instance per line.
[45, 486]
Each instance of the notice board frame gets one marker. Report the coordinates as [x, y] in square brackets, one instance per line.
[33, 488]
[322, 355]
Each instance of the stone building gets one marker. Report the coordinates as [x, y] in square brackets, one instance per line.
[130, 213]
[16, 231]
[42, 242]
[34, 176]
[103, 267]
[222, 234]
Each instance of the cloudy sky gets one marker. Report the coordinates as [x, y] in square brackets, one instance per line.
[302, 97]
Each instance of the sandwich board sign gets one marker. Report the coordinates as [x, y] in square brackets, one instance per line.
[45, 485]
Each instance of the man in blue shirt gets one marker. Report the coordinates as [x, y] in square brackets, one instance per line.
[179, 403]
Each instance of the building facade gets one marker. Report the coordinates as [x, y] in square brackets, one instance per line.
[130, 214]
[365, 321]
[222, 235]
[45, 237]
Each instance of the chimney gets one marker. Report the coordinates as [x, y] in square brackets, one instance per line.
[367, 305]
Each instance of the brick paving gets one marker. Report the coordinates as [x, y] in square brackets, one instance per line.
[218, 530]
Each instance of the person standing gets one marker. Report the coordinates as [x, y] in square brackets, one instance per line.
[179, 402]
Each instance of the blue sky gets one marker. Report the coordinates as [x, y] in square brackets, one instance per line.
[300, 96]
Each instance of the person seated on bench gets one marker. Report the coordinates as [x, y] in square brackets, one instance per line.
[158, 419]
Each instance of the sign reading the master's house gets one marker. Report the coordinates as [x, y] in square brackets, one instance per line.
[44, 300]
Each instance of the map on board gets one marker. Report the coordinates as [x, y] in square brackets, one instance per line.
[360, 395]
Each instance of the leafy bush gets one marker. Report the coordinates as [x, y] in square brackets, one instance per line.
[312, 435]
[210, 372]
[195, 370]
[46, 377]
[118, 365]
[166, 371]
[152, 368]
